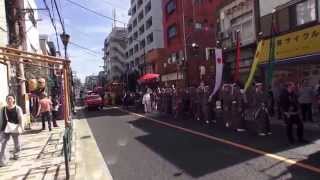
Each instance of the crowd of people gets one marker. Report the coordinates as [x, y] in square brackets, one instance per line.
[234, 107]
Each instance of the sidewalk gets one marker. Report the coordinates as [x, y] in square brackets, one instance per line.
[41, 156]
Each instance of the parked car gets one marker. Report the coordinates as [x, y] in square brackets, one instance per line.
[93, 100]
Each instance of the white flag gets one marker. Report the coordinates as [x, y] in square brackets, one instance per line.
[219, 71]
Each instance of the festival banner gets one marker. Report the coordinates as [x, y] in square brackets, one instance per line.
[219, 71]
[238, 56]
[254, 65]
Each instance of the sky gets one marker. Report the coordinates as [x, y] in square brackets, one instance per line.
[85, 28]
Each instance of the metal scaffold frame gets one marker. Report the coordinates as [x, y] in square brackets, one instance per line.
[19, 56]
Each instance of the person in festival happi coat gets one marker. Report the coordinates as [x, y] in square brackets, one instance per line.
[260, 102]
[146, 101]
[226, 98]
[205, 105]
[193, 103]
[199, 94]
[237, 108]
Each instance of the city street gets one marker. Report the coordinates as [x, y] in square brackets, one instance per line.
[158, 148]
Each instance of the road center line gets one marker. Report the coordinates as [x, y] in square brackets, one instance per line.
[241, 146]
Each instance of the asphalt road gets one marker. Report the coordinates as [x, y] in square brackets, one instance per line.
[136, 148]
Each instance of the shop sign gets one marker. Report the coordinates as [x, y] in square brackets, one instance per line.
[294, 44]
[171, 77]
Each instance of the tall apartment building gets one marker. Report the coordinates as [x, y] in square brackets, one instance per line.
[189, 33]
[145, 32]
[115, 45]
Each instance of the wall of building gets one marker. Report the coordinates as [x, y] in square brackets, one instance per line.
[198, 26]
[238, 15]
[4, 89]
[266, 6]
[155, 14]
[32, 33]
[115, 62]
[3, 24]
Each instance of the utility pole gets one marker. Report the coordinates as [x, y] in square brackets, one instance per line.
[17, 40]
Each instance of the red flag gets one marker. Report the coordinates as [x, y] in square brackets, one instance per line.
[237, 68]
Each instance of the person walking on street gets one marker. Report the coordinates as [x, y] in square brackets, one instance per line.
[290, 106]
[260, 102]
[11, 123]
[305, 99]
[237, 108]
[55, 111]
[226, 98]
[146, 101]
[45, 108]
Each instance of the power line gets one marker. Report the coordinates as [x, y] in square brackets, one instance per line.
[87, 49]
[59, 15]
[53, 23]
[113, 5]
[74, 28]
[95, 12]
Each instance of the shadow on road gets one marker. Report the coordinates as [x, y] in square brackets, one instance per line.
[198, 156]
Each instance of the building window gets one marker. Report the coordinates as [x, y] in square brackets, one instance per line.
[172, 31]
[136, 48]
[129, 28]
[134, 24]
[150, 38]
[135, 36]
[198, 2]
[131, 52]
[134, 10]
[283, 20]
[171, 7]
[141, 29]
[149, 23]
[148, 7]
[140, 16]
[139, 3]
[142, 44]
[306, 12]
[130, 40]
[197, 25]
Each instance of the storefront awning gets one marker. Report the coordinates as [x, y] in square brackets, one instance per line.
[148, 77]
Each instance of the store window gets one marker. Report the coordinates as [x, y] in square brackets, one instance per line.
[171, 7]
[306, 12]
[172, 31]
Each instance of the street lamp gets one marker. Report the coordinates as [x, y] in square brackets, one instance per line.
[65, 38]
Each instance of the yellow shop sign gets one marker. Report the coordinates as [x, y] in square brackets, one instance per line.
[293, 44]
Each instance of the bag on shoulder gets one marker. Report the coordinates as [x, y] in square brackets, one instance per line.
[11, 127]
